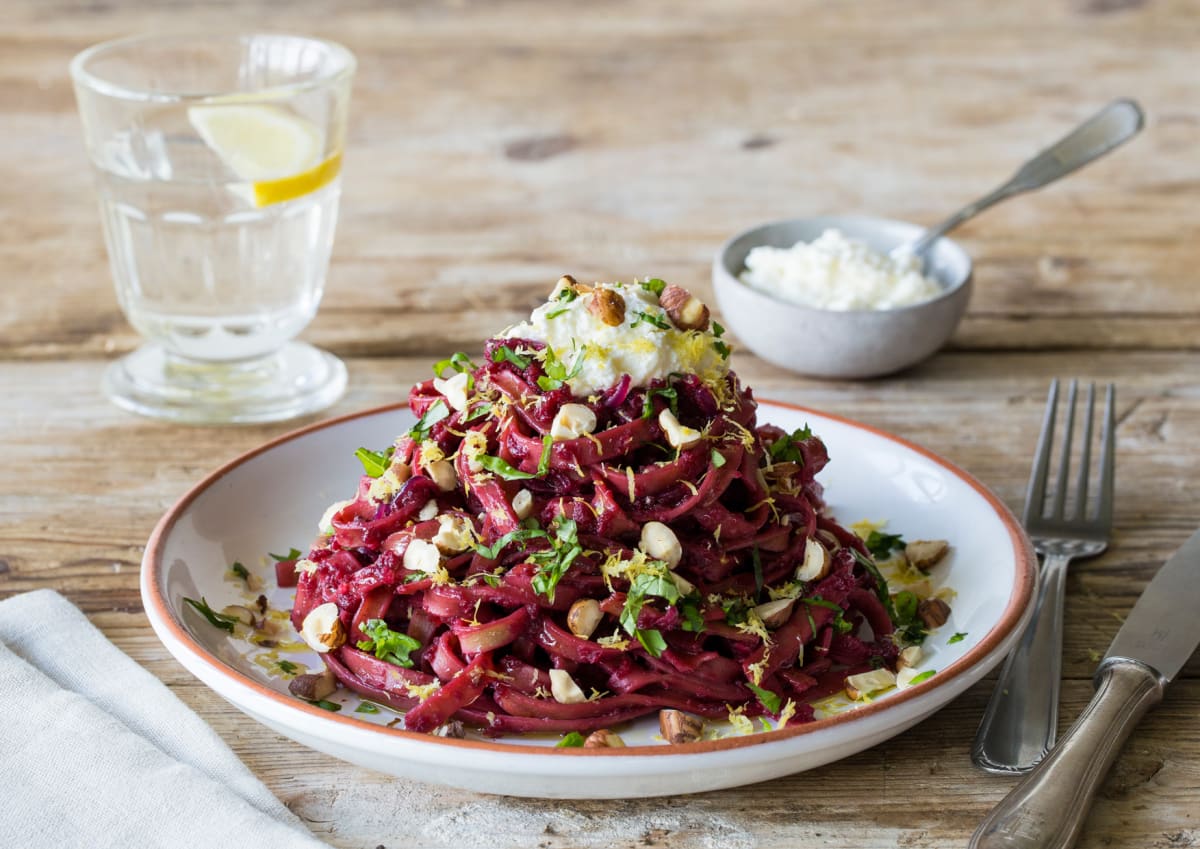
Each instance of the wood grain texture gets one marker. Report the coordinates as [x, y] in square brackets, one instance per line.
[495, 145]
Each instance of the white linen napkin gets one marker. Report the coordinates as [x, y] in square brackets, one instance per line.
[97, 752]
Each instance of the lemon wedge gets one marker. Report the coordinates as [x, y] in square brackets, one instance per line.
[276, 151]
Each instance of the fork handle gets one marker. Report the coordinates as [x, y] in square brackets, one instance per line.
[1019, 725]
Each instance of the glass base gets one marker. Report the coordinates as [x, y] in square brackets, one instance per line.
[291, 382]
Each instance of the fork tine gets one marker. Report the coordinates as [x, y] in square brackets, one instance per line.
[1085, 457]
[1104, 510]
[1035, 495]
[1064, 464]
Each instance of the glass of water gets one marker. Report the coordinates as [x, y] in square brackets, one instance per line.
[217, 161]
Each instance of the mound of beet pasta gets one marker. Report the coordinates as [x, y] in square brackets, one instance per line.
[591, 525]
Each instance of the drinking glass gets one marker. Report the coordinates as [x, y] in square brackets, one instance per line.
[217, 161]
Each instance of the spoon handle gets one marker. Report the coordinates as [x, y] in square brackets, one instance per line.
[1111, 127]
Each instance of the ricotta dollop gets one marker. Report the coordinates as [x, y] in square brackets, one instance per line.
[645, 345]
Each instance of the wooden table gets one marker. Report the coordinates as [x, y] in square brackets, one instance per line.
[494, 146]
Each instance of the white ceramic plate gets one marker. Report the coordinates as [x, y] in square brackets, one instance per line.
[271, 499]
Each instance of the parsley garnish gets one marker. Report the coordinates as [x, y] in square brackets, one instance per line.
[785, 450]
[573, 740]
[479, 411]
[459, 361]
[387, 644]
[652, 641]
[505, 354]
[544, 460]
[493, 551]
[497, 466]
[556, 371]
[840, 623]
[882, 545]
[718, 459]
[332, 707]
[436, 412]
[669, 392]
[240, 570]
[566, 294]
[366, 707]
[924, 676]
[554, 562]
[556, 313]
[904, 614]
[654, 285]
[718, 330]
[770, 701]
[375, 463]
[293, 554]
[722, 349]
[656, 320]
[217, 620]
[645, 584]
[957, 638]
[692, 620]
[287, 667]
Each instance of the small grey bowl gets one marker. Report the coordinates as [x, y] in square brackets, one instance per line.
[841, 343]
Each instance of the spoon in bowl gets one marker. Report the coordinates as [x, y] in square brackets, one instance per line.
[1109, 128]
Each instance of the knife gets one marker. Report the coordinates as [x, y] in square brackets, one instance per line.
[1047, 809]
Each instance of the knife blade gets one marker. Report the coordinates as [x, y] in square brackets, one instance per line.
[1047, 809]
[1163, 629]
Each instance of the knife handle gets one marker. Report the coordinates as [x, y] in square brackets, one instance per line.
[1047, 809]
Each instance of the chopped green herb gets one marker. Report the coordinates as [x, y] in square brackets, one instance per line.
[654, 285]
[652, 641]
[544, 460]
[924, 676]
[556, 373]
[332, 707]
[374, 463]
[668, 392]
[460, 362]
[718, 459]
[478, 412]
[766, 725]
[366, 707]
[240, 570]
[566, 294]
[882, 545]
[287, 667]
[785, 448]
[839, 622]
[718, 330]
[722, 349]
[436, 412]
[574, 740]
[497, 466]
[554, 562]
[658, 321]
[904, 613]
[770, 701]
[692, 620]
[387, 644]
[491, 580]
[556, 313]
[217, 620]
[758, 575]
[736, 611]
[293, 554]
[957, 638]
[645, 584]
[505, 354]
[493, 551]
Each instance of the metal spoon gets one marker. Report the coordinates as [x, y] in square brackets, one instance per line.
[1109, 128]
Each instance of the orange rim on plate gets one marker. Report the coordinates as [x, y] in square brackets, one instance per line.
[1024, 563]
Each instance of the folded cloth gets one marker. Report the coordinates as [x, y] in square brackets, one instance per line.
[97, 752]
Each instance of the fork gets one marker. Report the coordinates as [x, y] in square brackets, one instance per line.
[1021, 720]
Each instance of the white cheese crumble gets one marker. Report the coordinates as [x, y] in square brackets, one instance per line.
[645, 345]
[838, 273]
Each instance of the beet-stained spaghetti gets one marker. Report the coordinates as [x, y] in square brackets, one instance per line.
[590, 526]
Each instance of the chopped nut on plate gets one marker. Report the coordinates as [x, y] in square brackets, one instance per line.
[679, 727]
[313, 687]
[685, 310]
[924, 554]
[933, 612]
[603, 739]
